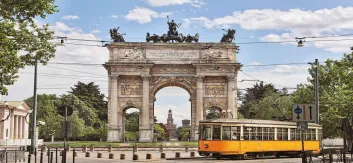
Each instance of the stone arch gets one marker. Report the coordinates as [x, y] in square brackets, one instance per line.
[122, 112]
[164, 84]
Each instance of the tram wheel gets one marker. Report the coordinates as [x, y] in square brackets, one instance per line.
[244, 157]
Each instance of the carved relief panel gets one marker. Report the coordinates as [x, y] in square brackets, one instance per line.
[219, 102]
[214, 90]
[128, 54]
[214, 54]
[174, 69]
[131, 89]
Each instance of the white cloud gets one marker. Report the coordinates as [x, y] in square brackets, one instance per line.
[292, 23]
[70, 17]
[158, 3]
[144, 15]
[115, 16]
[96, 31]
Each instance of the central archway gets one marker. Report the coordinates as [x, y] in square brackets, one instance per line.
[171, 125]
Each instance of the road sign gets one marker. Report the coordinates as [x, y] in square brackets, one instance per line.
[304, 113]
[302, 125]
[61, 110]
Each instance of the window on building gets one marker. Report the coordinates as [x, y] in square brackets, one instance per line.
[235, 133]
[216, 133]
[226, 135]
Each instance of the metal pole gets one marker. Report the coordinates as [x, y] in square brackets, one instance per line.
[317, 90]
[56, 155]
[64, 153]
[34, 122]
[303, 151]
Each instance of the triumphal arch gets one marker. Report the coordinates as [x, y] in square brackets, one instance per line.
[137, 70]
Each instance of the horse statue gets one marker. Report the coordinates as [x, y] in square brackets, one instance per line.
[190, 38]
[155, 38]
[116, 36]
[229, 37]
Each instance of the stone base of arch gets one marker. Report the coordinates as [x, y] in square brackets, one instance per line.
[114, 135]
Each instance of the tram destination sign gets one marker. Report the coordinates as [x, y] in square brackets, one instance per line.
[304, 113]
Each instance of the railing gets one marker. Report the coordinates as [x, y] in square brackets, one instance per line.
[10, 154]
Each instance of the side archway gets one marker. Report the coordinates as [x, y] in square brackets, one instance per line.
[129, 124]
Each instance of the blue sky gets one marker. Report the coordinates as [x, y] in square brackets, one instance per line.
[254, 20]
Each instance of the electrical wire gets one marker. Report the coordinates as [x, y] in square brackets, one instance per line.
[75, 71]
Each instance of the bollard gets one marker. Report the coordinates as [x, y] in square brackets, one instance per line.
[29, 158]
[51, 157]
[177, 155]
[56, 155]
[84, 148]
[41, 157]
[61, 153]
[160, 148]
[330, 157]
[74, 155]
[162, 155]
[135, 157]
[186, 148]
[48, 154]
[134, 148]
[110, 148]
[91, 148]
[192, 154]
[99, 155]
[148, 156]
[111, 156]
[122, 156]
[88, 154]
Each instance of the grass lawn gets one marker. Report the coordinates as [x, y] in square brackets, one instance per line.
[105, 144]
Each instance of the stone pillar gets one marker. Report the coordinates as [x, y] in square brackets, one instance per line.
[12, 126]
[193, 119]
[113, 131]
[146, 130]
[23, 127]
[231, 100]
[19, 124]
[199, 103]
[15, 129]
[26, 127]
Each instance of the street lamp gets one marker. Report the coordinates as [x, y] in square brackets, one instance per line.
[8, 108]
[28, 113]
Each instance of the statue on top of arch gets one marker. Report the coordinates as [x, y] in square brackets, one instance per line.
[172, 35]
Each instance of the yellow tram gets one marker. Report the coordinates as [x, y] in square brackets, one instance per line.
[241, 138]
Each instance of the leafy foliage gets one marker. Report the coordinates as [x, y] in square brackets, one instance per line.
[91, 94]
[19, 32]
[183, 133]
[132, 122]
[161, 132]
[213, 113]
[254, 95]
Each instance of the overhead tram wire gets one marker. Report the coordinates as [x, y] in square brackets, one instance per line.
[76, 71]
[264, 81]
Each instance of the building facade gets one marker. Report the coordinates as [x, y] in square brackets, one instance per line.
[185, 123]
[171, 127]
[14, 127]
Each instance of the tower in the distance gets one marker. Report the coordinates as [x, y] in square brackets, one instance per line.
[171, 127]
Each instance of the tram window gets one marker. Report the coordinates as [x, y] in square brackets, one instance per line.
[253, 133]
[259, 133]
[313, 134]
[279, 134]
[216, 133]
[246, 133]
[271, 134]
[226, 133]
[292, 134]
[320, 134]
[265, 133]
[235, 133]
[307, 134]
[298, 136]
[206, 133]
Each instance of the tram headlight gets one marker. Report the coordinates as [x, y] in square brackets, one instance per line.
[205, 146]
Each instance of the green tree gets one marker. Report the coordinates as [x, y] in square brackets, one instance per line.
[213, 113]
[161, 132]
[132, 122]
[335, 93]
[183, 133]
[91, 94]
[254, 94]
[20, 32]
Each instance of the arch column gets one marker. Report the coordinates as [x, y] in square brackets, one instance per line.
[146, 130]
[193, 118]
[199, 105]
[232, 100]
[114, 128]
